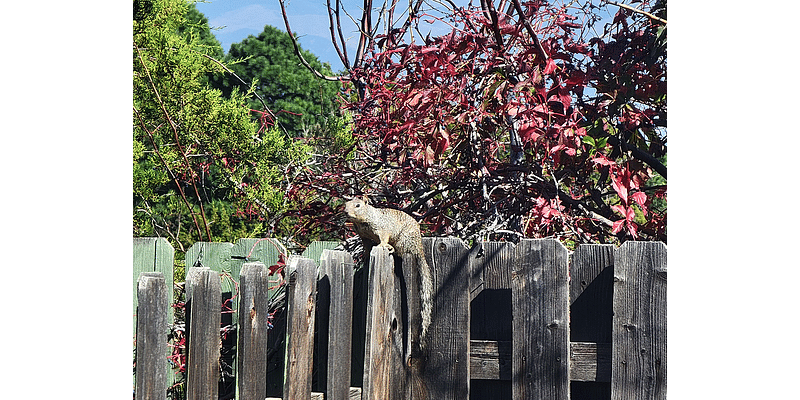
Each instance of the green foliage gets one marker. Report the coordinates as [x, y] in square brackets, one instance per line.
[204, 170]
[302, 102]
[340, 129]
[197, 27]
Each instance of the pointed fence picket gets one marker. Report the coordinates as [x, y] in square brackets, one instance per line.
[510, 321]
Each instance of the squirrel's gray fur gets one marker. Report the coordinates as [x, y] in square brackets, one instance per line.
[397, 231]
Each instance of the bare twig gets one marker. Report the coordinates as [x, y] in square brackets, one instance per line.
[412, 13]
[491, 13]
[365, 28]
[528, 28]
[342, 52]
[300, 54]
[636, 10]
[228, 70]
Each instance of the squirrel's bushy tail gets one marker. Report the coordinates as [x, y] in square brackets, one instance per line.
[426, 299]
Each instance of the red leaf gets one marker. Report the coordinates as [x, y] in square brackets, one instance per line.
[617, 226]
[603, 160]
[528, 132]
[621, 181]
[279, 266]
[414, 100]
[630, 214]
[620, 188]
[577, 78]
[551, 66]
[632, 229]
[640, 198]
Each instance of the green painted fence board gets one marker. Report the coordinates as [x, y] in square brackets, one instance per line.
[152, 255]
[266, 251]
[217, 257]
[315, 249]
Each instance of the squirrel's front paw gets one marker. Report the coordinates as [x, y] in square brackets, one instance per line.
[388, 247]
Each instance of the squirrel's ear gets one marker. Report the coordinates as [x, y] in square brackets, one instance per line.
[365, 198]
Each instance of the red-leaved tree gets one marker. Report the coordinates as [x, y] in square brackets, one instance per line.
[528, 119]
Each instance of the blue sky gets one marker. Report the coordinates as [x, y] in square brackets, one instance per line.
[233, 20]
[307, 18]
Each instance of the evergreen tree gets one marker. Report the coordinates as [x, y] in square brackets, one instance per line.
[302, 103]
[203, 168]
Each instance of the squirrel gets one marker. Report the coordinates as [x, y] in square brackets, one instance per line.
[398, 231]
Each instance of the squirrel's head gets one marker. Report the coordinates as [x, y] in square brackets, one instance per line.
[356, 207]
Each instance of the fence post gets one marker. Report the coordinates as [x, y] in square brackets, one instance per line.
[384, 372]
[591, 288]
[540, 304]
[316, 248]
[335, 316]
[639, 349]
[152, 254]
[301, 294]
[203, 302]
[445, 366]
[253, 328]
[151, 336]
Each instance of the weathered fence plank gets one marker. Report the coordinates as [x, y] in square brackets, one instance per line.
[335, 317]
[446, 371]
[490, 316]
[253, 328]
[540, 297]
[522, 350]
[591, 289]
[385, 377]
[151, 336]
[490, 359]
[301, 294]
[152, 255]
[266, 251]
[640, 322]
[216, 256]
[203, 300]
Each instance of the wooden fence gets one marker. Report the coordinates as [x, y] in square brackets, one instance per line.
[524, 321]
